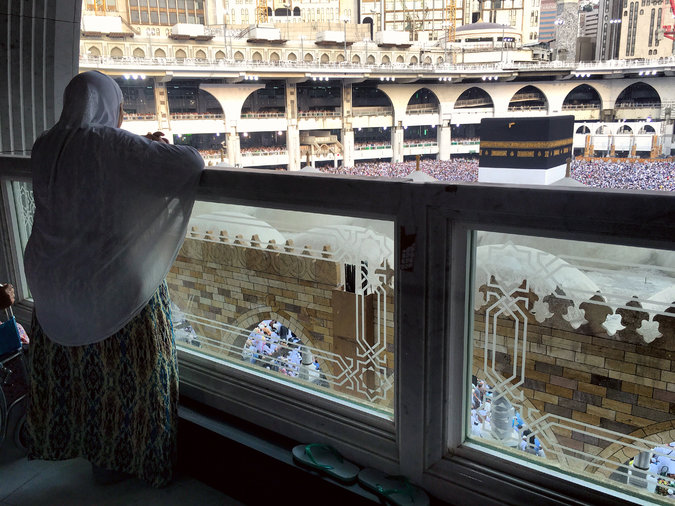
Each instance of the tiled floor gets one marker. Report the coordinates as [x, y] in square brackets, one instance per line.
[69, 483]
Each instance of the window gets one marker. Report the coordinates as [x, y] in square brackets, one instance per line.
[651, 27]
[571, 399]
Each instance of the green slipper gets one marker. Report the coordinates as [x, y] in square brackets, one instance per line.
[393, 489]
[326, 459]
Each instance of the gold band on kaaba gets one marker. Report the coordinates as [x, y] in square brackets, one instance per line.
[527, 144]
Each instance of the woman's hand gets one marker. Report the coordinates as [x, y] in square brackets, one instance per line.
[6, 295]
[157, 136]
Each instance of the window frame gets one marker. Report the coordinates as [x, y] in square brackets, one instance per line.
[441, 229]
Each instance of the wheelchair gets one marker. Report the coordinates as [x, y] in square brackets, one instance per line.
[13, 397]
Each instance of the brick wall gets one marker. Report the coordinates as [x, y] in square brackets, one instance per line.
[620, 383]
[241, 283]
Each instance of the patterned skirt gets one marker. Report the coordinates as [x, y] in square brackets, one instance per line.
[114, 402]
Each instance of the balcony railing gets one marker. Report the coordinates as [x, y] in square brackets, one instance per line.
[516, 337]
[91, 62]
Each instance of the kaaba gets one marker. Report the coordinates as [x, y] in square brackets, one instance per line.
[525, 150]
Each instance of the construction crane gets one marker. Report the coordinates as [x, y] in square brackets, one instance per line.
[451, 19]
[261, 11]
[669, 30]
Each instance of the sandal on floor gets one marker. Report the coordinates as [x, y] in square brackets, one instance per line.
[326, 459]
[393, 489]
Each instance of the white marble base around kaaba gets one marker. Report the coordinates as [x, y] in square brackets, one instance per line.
[521, 176]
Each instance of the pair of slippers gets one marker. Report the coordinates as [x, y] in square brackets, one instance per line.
[393, 489]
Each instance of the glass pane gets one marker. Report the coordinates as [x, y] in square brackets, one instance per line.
[24, 206]
[304, 298]
[572, 358]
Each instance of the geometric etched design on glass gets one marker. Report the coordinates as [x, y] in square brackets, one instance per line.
[369, 373]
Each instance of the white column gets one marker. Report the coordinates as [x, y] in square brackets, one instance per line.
[293, 145]
[397, 143]
[293, 132]
[348, 147]
[444, 140]
[347, 130]
[233, 151]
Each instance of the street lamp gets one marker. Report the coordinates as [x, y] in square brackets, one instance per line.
[302, 48]
[365, 60]
[446, 25]
[501, 58]
[615, 45]
[346, 19]
[288, 13]
[557, 23]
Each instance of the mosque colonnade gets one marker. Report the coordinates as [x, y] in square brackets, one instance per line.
[435, 107]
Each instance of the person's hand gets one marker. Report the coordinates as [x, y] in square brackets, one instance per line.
[157, 136]
[6, 295]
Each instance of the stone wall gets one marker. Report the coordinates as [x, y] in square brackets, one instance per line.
[237, 284]
[617, 382]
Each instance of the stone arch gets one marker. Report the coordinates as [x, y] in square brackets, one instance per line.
[340, 58]
[474, 97]
[422, 98]
[220, 55]
[94, 51]
[528, 97]
[254, 316]
[200, 55]
[325, 58]
[660, 433]
[624, 129]
[647, 129]
[180, 54]
[255, 97]
[274, 56]
[296, 11]
[356, 59]
[638, 94]
[369, 21]
[238, 56]
[116, 52]
[139, 53]
[582, 95]
[367, 97]
[308, 57]
[292, 57]
[386, 60]
[159, 53]
[583, 129]
[439, 60]
[400, 59]
[602, 130]
[414, 60]
[370, 60]
[256, 56]
[427, 60]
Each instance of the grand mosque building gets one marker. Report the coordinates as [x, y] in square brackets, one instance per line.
[309, 85]
[500, 342]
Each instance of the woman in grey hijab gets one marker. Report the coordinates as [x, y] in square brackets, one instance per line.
[111, 212]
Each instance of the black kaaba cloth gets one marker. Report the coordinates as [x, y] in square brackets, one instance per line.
[526, 143]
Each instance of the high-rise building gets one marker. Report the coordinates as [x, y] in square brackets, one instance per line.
[588, 22]
[610, 28]
[547, 16]
[642, 30]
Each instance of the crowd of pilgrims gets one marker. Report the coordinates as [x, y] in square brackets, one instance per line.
[655, 175]
[494, 417]
[275, 347]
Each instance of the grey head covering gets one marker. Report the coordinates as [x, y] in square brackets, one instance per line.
[111, 212]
